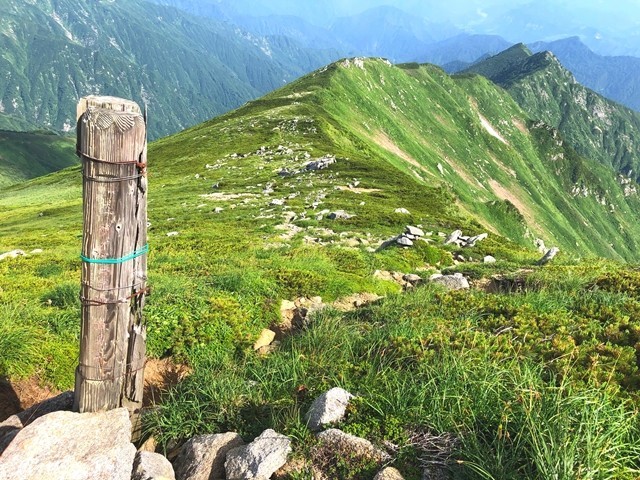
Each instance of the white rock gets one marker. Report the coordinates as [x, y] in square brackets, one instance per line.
[388, 473]
[12, 254]
[172, 234]
[202, 457]
[414, 231]
[404, 241]
[152, 466]
[451, 282]
[402, 211]
[260, 459]
[362, 447]
[489, 259]
[72, 446]
[330, 407]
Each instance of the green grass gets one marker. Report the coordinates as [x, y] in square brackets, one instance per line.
[429, 362]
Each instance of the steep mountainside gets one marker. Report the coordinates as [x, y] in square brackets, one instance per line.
[617, 78]
[187, 69]
[25, 155]
[596, 127]
[406, 134]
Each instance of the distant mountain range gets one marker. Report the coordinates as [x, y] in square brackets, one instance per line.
[187, 69]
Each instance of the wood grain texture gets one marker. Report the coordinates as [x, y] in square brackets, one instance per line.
[112, 145]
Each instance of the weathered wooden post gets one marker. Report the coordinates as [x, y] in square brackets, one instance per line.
[112, 143]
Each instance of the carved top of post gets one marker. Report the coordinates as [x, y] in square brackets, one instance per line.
[109, 103]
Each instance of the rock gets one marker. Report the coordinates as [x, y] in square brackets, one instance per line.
[539, 243]
[277, 202]
[260, 459]
[552, 252]
[152, 466]
[414, 231]
[344, 442]
[489, 259]
[451, 282]
[35, 251]
[471, 242]
[172, 234]
[330, 407]
[402, 211]
[72, 446]
[266, 337]
[12, 425]
[340, 215]
[453, 237]
[218, 210]
[149, 445]
[412, 278]
[388, 473]
[203, 456]
[404, 241]
[12, 254]
[321, 163]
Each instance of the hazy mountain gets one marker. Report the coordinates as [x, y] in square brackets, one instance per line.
[617, 78]
[187, 69]
[596, 127]
[458, 52]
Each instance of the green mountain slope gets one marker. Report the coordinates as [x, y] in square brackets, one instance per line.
[596, 127]
[26, 155]
[187, 69]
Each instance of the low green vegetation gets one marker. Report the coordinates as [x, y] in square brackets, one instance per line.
[533, 373]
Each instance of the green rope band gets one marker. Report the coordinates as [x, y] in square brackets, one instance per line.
[114, 261]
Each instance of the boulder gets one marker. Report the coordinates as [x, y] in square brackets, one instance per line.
[202, 457]
[152, 466]
[404, 241]
[412, 278]
[489, 259]
[471, 242]
[260, 459]
[340, 215]
[388, 473]
[411, 230]
[451, 282]
[356, 446]
[453, 237]
[330, 407]
[12, 254]
[72, 446]
[402, 211]
[552, 252]
[266, 337]
[12, 425]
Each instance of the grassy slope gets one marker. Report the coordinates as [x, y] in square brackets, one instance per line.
[421, 362]
[28, 155]
[596, 127]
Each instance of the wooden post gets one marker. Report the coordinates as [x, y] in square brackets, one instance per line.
[112, 143]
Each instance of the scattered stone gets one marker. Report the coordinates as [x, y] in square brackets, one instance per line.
[344, 442]
[411, 230]
[340, 215]
[266, 337]
[152, 466]
[277, 202]
[412, 278]
[388, 473]
[552, 252]
[218, 210]
[172, 234]
[330, 407]
[36, 251]
[539, 243]
[149, 445]
[289, 217]
[402, 211]
[12, 254]
[72, 446]
[471, 242]
[453, 237]
[203, 456]
[451, 282]
[357, 300]
[260, 459]
[489, 259]
[404, 241]
[321, 163]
